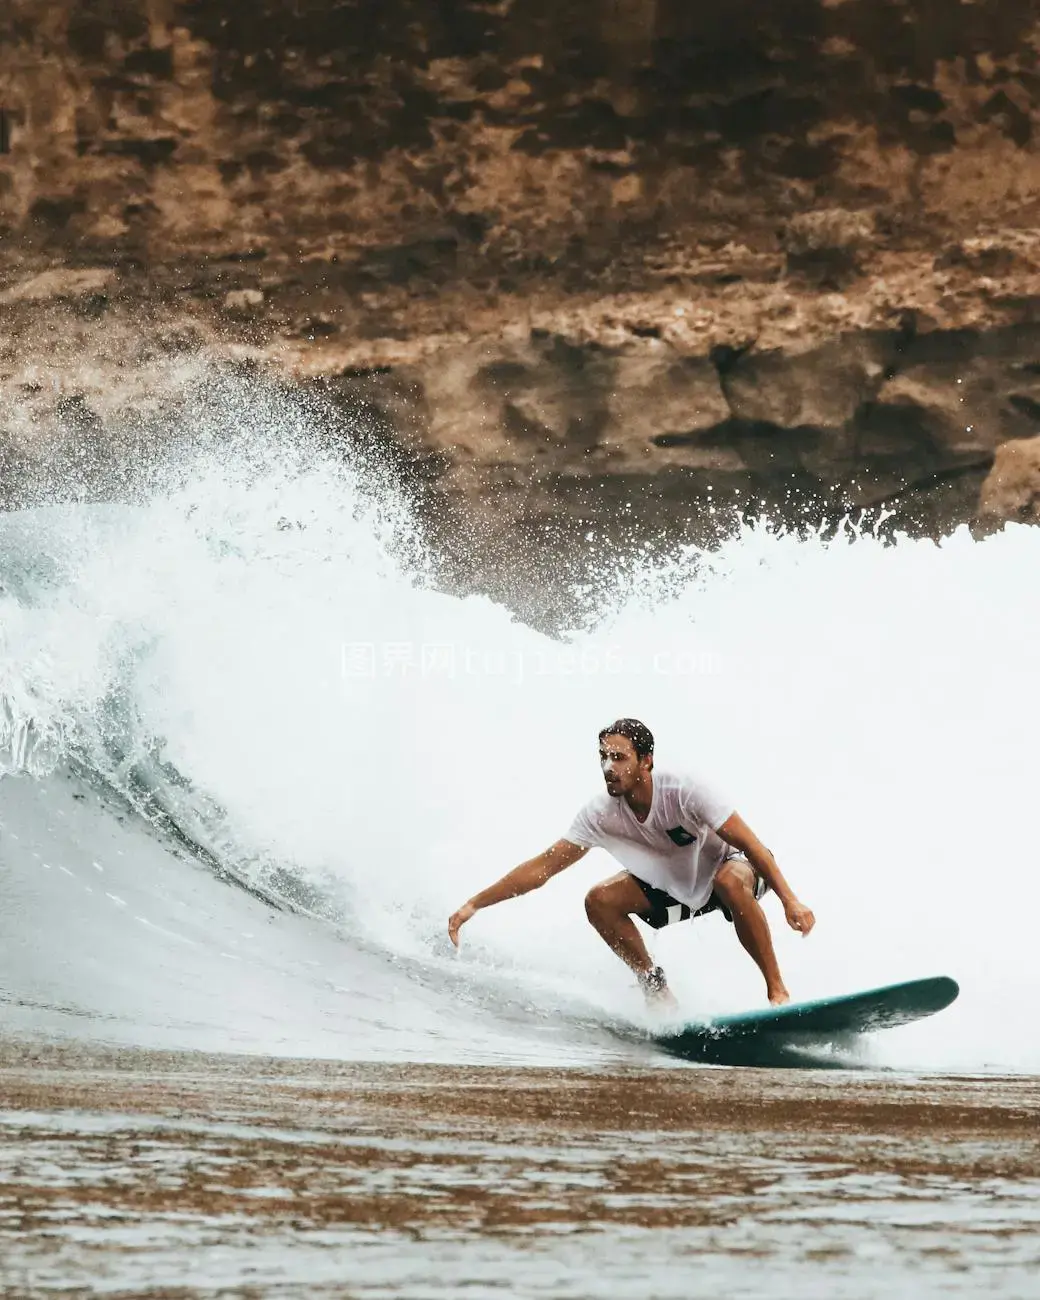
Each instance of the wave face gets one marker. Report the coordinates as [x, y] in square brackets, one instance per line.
[245, 673]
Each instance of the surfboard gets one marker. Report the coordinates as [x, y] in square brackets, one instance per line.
[780, 1036]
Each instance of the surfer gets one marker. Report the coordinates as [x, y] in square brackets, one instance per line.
[685, 850]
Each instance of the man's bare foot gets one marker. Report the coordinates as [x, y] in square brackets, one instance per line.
[664, 1000]
[777, 997]
[659, 997]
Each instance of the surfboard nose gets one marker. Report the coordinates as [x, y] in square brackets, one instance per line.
[942, 990]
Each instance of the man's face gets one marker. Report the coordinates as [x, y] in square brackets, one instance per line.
[621, 768]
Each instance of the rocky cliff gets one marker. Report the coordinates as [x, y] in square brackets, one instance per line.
[578, 261]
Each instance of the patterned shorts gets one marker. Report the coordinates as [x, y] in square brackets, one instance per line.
[663, 909]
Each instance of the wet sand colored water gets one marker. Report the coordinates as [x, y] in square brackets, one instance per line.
[138, 1173]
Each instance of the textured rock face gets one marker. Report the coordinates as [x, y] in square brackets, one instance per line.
[678, 254]
[1012, 490]
[420, 141]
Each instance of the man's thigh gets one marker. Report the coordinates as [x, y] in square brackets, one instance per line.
[735, 873]
[734, 876]
[620, 893]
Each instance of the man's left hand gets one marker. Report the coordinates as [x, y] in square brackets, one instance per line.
[799, 917]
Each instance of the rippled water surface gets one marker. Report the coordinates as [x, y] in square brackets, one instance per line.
[133, 1173]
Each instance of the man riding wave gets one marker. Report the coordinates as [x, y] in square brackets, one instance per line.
[685, 852]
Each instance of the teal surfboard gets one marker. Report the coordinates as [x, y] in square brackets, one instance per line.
[788, 1035]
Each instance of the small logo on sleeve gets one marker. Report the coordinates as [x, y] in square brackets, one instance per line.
[680, 835]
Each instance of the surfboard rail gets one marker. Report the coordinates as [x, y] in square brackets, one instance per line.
[771, 1033]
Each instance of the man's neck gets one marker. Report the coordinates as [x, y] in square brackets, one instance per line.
[641, 798]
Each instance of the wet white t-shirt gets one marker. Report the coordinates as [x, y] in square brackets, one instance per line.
[676, 848]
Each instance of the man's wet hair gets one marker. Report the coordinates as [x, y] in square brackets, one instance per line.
[638, 733]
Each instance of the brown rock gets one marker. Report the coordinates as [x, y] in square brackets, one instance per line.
[964, 392]
[555, 399]
[1011, 491]
[826, 246]
[485, 150]
[659, 393]
[823, 387]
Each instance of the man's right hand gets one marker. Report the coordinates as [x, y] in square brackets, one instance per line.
[458, 919]
[521, 880]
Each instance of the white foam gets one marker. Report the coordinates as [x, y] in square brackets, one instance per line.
[252, 642]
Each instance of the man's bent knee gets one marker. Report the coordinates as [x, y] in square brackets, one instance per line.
[606, 901]
[735, 883]
[597, 902]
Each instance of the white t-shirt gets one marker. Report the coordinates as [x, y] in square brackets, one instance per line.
[676, 848]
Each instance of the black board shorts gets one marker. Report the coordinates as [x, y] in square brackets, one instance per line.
[664, 910]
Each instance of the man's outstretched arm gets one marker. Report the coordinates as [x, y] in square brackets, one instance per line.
[735, 830]
[521, 880]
